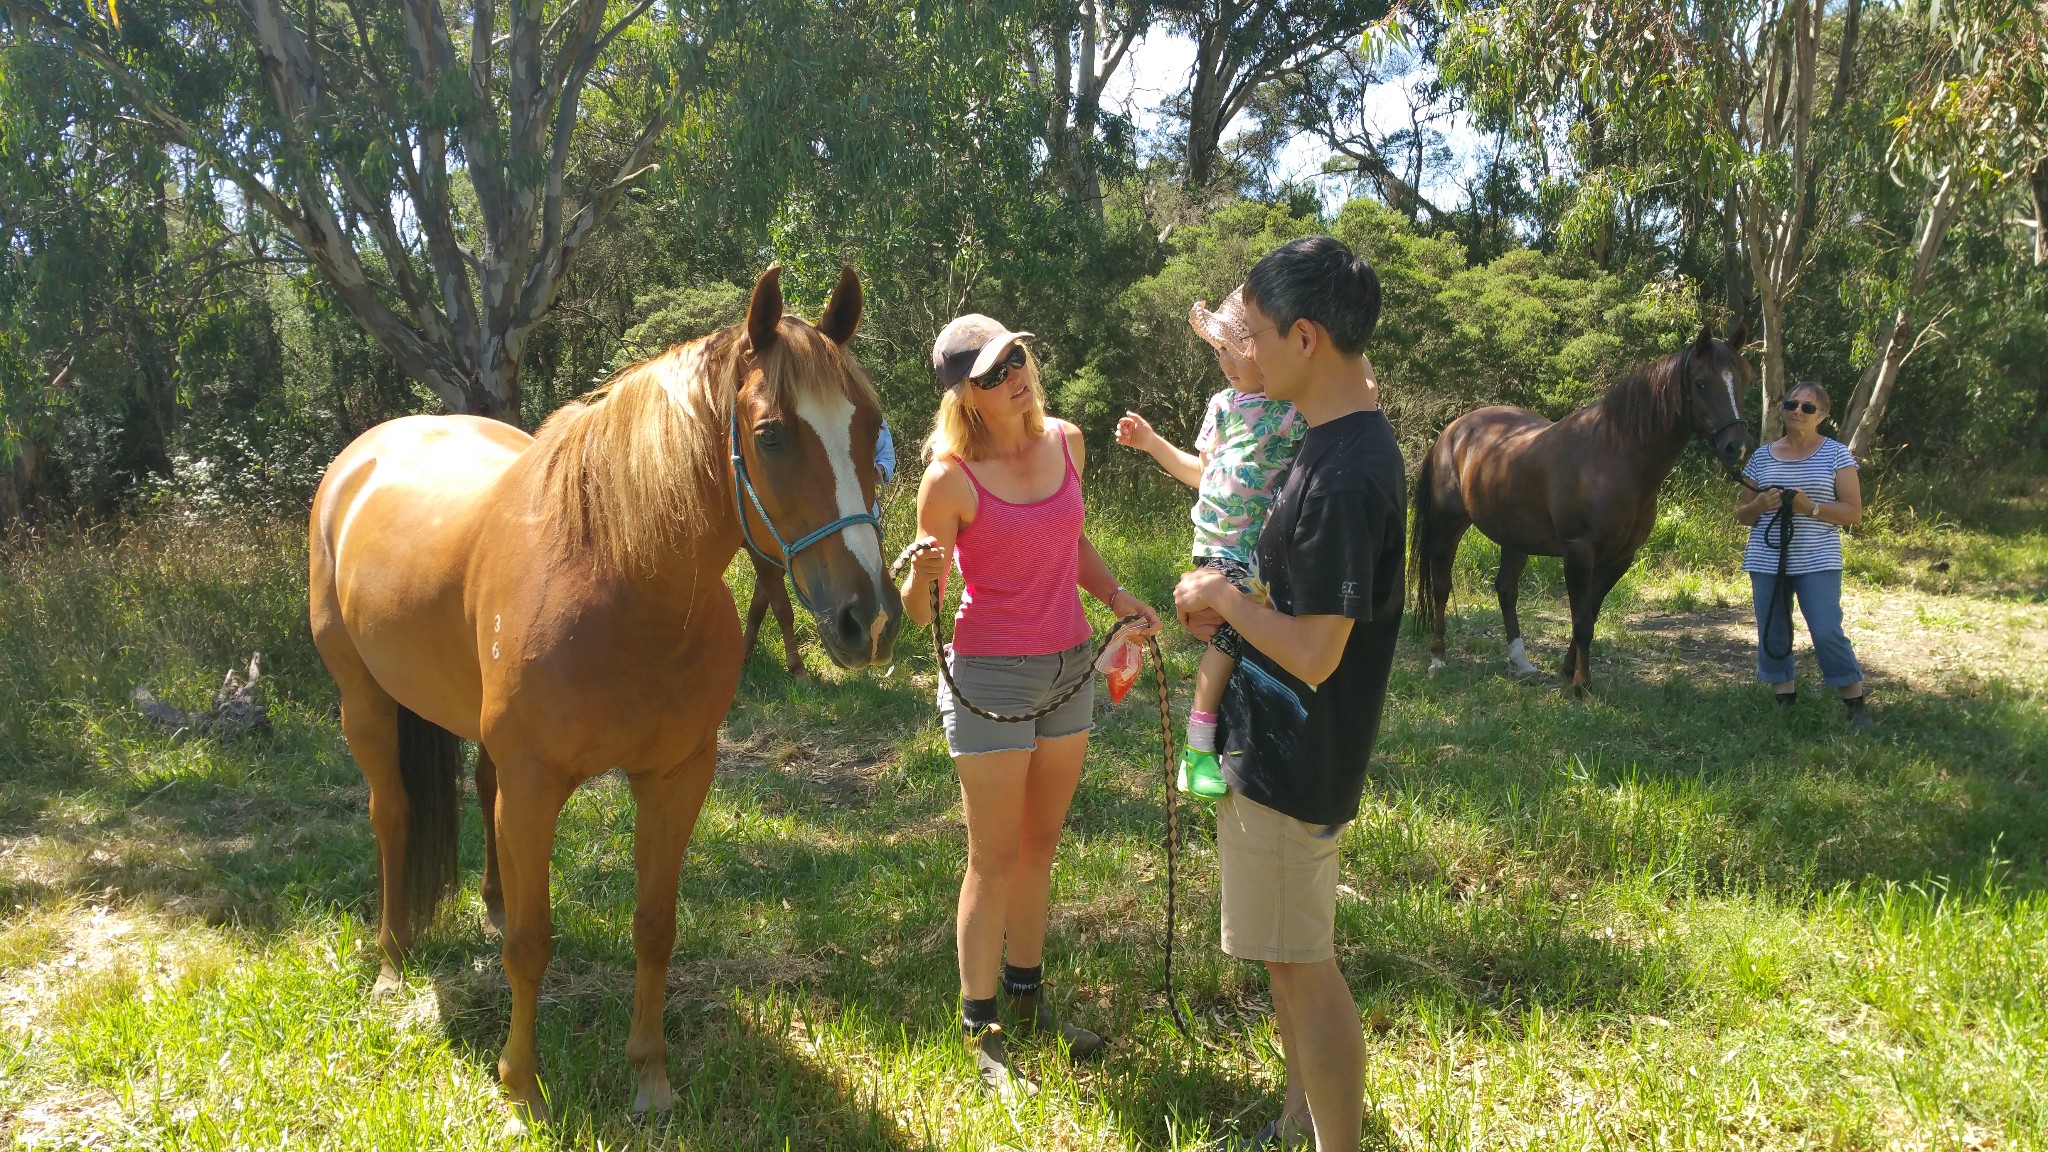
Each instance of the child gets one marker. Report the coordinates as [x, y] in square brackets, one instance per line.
[1246, 439]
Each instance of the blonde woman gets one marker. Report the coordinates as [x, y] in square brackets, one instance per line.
[1002, 496]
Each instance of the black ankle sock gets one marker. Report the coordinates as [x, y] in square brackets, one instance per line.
[1022, 981]
[1855, 703]
[1788, 699]
[977, 1015]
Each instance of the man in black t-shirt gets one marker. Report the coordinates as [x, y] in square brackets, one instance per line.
[1303, 707]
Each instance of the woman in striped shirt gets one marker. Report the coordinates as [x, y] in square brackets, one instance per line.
[1820, 474]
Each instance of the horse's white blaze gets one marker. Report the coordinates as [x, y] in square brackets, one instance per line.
[1728, 378]
[831, 419]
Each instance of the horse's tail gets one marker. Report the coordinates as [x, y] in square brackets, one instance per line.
[1421, 536]
[430, 770]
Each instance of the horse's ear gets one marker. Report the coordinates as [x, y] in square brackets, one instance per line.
[1703, 343]
[1739, 339]
[765, 310]
[842, 311]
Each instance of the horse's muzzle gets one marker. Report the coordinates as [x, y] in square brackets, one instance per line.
[1733, 447]
[861, 629]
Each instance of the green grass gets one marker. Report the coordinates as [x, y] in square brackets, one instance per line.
[1668, 917]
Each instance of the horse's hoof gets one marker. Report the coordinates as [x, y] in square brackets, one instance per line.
[494, 919]
[1436, 665]
[654, 1095]
[389, 982]
[521, 1118]
[1524, 668]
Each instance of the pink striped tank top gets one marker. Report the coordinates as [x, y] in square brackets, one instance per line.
[1022, 566]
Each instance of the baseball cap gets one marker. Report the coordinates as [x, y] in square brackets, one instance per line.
[970, 345]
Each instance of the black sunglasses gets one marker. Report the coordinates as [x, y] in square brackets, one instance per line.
[997, 374]
[1806, 406]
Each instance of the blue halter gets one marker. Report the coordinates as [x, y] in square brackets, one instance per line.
[742, 483]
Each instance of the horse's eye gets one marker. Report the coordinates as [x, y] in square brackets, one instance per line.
[770, 437]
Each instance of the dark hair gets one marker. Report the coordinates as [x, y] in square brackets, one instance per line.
[1317, 278]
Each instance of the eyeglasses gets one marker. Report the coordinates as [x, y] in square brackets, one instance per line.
[1806, 406]
[1249, 341]
[996, 375]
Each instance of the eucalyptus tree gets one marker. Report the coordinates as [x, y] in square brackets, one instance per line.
[114, 256]
[1973, 122]
[1243, 45]
[1725, 94]
[1331, 100]
[418, 154]
[1080, 48]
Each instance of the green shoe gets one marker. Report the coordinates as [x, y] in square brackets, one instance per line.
[1200, 775]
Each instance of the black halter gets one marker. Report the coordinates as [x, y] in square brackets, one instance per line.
[1685, 394]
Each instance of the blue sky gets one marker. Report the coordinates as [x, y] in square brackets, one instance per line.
[1158, 67]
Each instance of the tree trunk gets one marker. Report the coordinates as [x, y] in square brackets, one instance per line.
[21, 484]
[1874, 390]
[1734, 269]
[1772, 308]
[2040, 183]
[1205, 105]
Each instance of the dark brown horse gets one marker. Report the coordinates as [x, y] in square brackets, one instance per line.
[559, 600]
[770, 595]
[1584, 488]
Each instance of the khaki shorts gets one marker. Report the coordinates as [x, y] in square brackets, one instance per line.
[1279, 883]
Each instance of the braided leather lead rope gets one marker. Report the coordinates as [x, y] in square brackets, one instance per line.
[1180, 1020]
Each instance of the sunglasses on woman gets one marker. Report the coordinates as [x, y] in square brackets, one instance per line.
[1806, 406]
[997, 374]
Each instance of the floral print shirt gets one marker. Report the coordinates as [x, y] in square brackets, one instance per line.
[1245, 441]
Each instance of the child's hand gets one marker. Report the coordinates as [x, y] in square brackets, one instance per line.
[1134, 431]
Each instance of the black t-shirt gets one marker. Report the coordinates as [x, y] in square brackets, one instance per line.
[1332, 546]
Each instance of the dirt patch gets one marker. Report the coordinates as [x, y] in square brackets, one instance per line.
[1926, 642]
[844, 773]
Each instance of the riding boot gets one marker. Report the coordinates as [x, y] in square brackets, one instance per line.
[992, 1063]
[1033, 1016]
[1859, 716]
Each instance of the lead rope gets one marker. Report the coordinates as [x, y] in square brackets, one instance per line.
[1781, 585]
[1180, 1021]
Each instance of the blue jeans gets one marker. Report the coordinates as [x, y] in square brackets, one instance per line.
[1820, 601]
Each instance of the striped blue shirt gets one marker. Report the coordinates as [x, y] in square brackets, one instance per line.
[1816, 544]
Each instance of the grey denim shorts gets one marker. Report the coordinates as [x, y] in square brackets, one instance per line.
[1009, 685]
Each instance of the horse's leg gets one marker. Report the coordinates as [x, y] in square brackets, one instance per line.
[369, 722]
[785, 615]
[1581, 582]
[1443, 556]
[492, 889]
[1603, 581]
[665, 813]
[530, 797]
[1507, 585]
[757, 611]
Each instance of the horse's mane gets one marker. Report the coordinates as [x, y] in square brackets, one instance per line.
[629, 466]
[1644, 404]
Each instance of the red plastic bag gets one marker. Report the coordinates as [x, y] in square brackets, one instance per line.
[1120, 664]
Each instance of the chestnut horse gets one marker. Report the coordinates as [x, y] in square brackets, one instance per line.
[1584, 488]
[559, 599]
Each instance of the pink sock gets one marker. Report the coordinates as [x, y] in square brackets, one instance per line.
[1201, 730]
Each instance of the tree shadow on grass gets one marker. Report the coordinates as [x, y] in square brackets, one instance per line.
[1677, 765]
[744, 1074]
